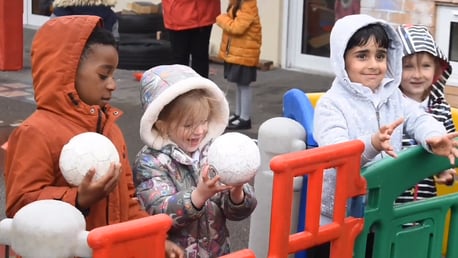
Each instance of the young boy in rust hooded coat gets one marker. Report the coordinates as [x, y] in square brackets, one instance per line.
[73, 83]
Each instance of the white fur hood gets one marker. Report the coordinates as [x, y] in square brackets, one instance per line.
[162, 84]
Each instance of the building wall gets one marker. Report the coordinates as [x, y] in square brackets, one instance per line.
[401, 11]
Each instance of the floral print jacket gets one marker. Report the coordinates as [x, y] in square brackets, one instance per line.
[164, 180]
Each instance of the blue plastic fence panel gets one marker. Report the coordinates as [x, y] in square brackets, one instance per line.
[297, 106]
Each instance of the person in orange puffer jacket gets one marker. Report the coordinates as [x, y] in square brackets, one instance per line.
[240, 49]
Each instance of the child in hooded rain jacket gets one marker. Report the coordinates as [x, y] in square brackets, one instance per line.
[183, 112]
[365, 103]
[73, 83]
[425, 70]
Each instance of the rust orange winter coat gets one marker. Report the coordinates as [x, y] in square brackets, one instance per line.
[32, 162]
[242, 35]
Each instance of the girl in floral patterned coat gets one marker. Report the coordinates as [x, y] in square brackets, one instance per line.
[183, 112]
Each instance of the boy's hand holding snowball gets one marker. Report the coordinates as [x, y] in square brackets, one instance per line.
[90, 161]
[91, 191]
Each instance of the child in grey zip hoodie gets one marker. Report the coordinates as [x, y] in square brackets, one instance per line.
[365, 103]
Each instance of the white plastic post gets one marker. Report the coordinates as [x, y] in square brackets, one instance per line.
[46, 228]
[276, 136]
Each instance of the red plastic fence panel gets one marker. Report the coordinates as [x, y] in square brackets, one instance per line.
[11, 35]
[342, 232]
[7, 252]
[140, 238]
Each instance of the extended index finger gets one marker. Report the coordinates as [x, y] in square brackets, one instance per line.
[452, 135]
[397, 123]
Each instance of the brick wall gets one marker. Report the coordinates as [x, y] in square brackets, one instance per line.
[402, 11]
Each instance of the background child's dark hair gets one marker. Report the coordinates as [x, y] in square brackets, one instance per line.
[99, 36]
[235, 9]
[362, 36]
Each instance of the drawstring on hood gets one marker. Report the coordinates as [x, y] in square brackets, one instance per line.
[160, 85]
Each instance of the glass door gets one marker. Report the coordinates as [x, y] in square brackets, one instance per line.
[309, 26]
[34, 13]
[447, 37]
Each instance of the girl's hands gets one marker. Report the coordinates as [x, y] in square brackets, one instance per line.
[172, 250]
[90, 192]
[445, 146]
[237, 195]
[381, 140]
[206, 188]
[446, 177]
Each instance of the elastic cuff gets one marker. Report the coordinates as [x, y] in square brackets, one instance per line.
[237, 204]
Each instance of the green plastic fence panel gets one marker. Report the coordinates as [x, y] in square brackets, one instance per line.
[386, 180]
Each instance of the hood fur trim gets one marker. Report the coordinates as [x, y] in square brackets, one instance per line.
[216, 124]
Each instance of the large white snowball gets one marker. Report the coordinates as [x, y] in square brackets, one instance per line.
[84, 151]
[235, 157]
[47, 228]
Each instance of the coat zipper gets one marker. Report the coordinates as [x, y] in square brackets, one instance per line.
[99, 128]
[377, 114]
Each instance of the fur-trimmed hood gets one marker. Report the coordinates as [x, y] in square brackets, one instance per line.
[67, 3]
[162, 84]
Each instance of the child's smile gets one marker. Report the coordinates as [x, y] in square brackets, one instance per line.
[366, 64]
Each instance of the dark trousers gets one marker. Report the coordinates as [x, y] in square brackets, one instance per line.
[192, 43]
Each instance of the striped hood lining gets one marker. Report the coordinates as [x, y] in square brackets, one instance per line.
[415, 39]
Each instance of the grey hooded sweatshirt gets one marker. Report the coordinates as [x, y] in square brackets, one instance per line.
[350, 110]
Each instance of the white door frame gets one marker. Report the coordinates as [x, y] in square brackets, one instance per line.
[29, 18]
[445, 15]
[294, 58]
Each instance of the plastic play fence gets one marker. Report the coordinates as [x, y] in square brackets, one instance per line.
[343, 231]
[386, 180]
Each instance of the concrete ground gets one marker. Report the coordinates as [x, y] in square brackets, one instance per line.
[16, 103]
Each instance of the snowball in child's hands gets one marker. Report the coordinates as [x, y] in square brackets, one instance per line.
[234, 157]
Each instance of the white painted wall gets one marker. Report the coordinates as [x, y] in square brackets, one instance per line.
[272, 25]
